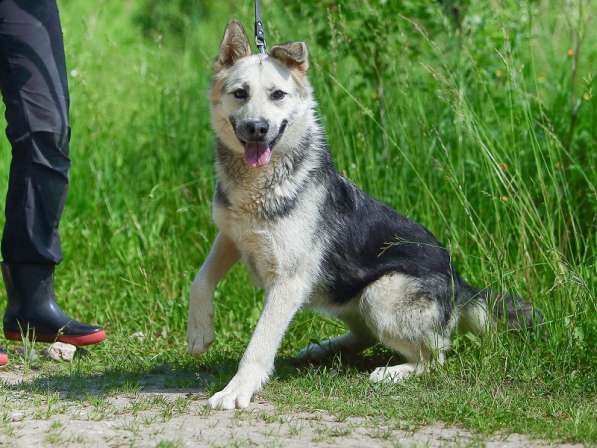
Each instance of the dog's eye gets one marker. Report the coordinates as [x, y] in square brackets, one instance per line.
[278, 95]
[240, 94]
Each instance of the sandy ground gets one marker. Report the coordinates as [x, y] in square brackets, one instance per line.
[179, 418]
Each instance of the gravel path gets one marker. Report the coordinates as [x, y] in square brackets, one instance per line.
[179, 418]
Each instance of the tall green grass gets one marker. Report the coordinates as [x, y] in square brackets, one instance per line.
[476, 146]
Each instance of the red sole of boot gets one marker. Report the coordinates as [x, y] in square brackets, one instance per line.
[3, 359]
[87, 339]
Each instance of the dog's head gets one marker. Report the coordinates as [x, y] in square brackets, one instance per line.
[259, 102]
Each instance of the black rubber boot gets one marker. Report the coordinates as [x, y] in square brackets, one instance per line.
[32, 310]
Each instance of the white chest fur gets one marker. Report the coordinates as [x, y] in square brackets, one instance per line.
[275, 248]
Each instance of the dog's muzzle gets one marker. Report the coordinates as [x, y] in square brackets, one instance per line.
[253, 135]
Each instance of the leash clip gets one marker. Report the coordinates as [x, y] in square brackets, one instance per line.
[259, 32]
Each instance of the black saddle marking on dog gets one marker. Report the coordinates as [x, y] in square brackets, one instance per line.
[368, 240]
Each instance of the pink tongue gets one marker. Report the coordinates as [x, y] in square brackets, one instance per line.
[257, 154]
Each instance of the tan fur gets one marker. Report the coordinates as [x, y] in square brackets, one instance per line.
[215, 90]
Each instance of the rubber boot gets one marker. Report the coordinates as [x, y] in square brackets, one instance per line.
[32, 310]
[3, 357]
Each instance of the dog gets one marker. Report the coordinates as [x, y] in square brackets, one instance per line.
[311, 238]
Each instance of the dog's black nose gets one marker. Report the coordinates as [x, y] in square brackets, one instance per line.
[253, 130]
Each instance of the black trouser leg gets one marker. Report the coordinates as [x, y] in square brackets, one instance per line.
[35, 92]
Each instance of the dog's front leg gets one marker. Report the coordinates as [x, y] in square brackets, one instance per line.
[200, 331]
[282, 301]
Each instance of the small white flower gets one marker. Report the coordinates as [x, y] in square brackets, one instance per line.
[74, 72]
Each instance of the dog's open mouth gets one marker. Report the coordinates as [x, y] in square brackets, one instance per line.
[258, 154]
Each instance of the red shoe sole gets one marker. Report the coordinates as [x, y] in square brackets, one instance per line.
[87, 339]
[3, 359]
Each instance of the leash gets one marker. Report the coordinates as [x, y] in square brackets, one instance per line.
[259, 32]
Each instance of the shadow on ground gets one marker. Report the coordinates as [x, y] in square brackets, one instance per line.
[76, 385]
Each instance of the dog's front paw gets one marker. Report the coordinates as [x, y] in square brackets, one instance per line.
[239, 391]
[200, 329]
[198, 341]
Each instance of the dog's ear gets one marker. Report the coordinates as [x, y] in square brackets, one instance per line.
[234, 46]
[294, 54]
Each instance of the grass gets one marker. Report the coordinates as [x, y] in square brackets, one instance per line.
[481, 144]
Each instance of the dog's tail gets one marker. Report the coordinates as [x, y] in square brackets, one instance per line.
[482, 308]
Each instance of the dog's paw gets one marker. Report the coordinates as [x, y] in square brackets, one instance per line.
[239, 391]
[200, 328]
[200, 332]
[231, 399]
[392, 374]
[198, 341]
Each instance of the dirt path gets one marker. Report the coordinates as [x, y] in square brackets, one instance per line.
[178, 417]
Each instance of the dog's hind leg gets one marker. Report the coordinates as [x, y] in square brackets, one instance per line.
[405, 318]
[355, 341]
[200, 332]
[418, 361]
